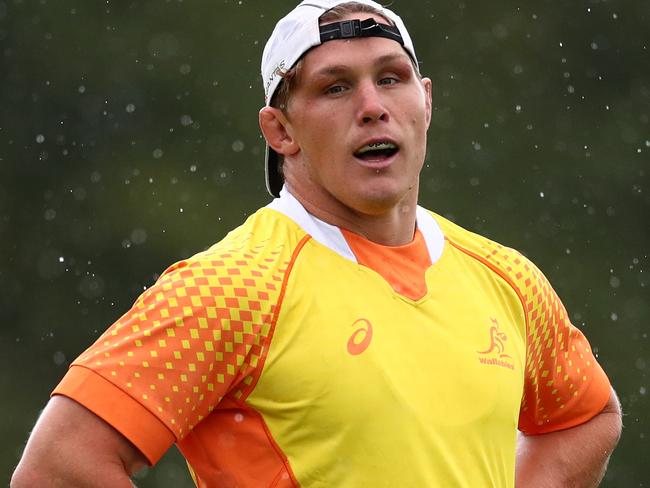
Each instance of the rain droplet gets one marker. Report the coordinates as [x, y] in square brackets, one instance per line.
[158, 153]
[50, 214]
[238, 146]
[40, 138]
[130, 108]
[139, 236]
[186, 120]
[59, 358]
[81, 89]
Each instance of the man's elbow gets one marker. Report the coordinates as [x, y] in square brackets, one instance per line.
[29, 477]
[614, 414]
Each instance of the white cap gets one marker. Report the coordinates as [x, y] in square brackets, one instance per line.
[297, 33]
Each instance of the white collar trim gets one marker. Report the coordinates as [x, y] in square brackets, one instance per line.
[331, 236]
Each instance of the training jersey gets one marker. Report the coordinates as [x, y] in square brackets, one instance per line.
[280, 357]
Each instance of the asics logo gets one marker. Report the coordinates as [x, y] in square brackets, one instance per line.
[361, 337]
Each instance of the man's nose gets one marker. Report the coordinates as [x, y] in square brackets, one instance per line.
[371, 104]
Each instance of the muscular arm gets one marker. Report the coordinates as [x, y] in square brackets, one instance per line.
[572, 458]
[71, 446]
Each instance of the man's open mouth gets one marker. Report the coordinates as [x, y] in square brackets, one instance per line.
[377, 151]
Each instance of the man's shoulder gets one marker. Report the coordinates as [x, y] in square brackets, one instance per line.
[465, 238]
[264, 231]
[263, 245]
[506, 261]
[249, 263]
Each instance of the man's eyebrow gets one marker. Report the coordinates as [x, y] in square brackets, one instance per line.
[338, 69]
[389, 58]
[332, 70]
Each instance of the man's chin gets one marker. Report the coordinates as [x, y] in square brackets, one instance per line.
[379, 199]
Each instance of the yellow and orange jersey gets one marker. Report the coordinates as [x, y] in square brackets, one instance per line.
[292, 353]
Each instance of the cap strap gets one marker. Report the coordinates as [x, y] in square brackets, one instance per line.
[359, 28]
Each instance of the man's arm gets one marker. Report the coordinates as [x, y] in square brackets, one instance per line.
[71, 446]
[572, 458]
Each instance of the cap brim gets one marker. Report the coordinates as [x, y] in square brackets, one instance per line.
[274, 180]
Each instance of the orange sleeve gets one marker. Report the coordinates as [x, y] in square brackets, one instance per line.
[189, 340]
[564, 384]
[122, 412]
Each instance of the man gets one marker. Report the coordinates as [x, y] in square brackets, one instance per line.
[342, 336]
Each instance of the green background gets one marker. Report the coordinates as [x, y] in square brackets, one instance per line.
[129, 140]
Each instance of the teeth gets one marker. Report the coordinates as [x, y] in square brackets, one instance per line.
[377, 146]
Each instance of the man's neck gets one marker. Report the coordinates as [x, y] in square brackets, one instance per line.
[392, 227]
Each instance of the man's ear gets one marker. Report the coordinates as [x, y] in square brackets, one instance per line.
[427, 85]
[277, 131]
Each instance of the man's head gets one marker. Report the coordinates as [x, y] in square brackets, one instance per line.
[298, 32]
[339, 76]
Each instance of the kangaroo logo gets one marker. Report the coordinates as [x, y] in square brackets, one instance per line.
[497, 341]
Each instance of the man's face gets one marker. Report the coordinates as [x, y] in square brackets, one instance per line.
[358, 115]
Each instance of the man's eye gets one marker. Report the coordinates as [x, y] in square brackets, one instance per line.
[388, 81]
[332, 90]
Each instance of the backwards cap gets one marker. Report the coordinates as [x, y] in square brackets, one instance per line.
[297, 33]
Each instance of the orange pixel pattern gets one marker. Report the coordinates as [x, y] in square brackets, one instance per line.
[196, 336]
[564, 384]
